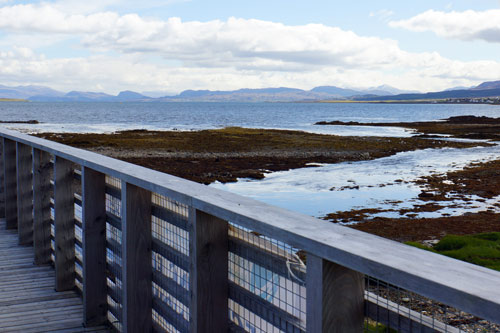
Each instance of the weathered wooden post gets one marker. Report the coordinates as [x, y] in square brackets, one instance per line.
[2, 194]
[94, 247]
[41, 206]
[136, 259]
[24, 195]
[335, 297]
[10, 183]
[208, 274]
[64, 224]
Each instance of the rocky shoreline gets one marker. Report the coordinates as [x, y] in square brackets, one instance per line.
[468, 127]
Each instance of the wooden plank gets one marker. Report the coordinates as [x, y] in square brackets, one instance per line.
[37, 298]
[10, 183]
[208, 247]
[24, 194]
[136, 259]
[16, 284]
[335, 297]
[26, 275]
[61, 323]
[101, 329]
[51, 304]
[45, 312]
[2, 196]
[41, 206]
[94, 247]
[64, 216]
[441, 278]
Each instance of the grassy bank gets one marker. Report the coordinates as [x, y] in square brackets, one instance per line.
[479, 249]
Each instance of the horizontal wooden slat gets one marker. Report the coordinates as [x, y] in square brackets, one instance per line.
[114, 220]
[169, 216]
[115, 311]
[177, 258]
[115, 294]
[262, 308]
[172, 287]
[113, 268]
[270, 261]
[174, 318]
[78, 175]
[113, 191]
[78, 199]
[78, 222]
[114, 246]
[78, 242]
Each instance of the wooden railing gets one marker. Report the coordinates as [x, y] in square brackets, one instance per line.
[153, 252]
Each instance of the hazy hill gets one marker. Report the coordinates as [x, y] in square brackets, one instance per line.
[282, 94]
[80, 96]
[25, 92]
[436, 95]
[488, 85]
[331, 90]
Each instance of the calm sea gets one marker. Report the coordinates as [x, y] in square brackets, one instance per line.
[108, 117]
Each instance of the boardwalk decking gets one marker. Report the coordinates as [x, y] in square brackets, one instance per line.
[28, 301]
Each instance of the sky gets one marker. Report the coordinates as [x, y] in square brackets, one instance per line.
[167, 46]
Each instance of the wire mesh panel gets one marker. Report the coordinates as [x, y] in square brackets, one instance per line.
[267, 283]
[170, 258]
[389, 308]
[113, 251]
[52, 215]
[77, 185]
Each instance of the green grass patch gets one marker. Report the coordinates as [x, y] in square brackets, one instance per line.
[480, 249]
[374, 327]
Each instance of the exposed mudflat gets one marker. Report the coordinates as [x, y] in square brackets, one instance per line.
[470, 127]
[228, 154]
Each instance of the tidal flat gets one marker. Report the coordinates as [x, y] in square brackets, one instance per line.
[226, 155]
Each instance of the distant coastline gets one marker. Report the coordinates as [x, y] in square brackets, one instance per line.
[13, 100]
[488, 100]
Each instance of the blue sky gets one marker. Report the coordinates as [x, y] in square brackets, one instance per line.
[172, 45]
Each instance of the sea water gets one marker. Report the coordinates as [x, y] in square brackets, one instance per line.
[113, 116]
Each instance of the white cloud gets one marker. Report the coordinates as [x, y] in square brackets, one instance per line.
[467, 25]
[217, 54]
[237, 42]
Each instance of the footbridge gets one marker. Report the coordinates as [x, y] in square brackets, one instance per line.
[91, 243]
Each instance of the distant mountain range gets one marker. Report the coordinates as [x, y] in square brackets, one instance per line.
[485, 89]
[283, 94]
